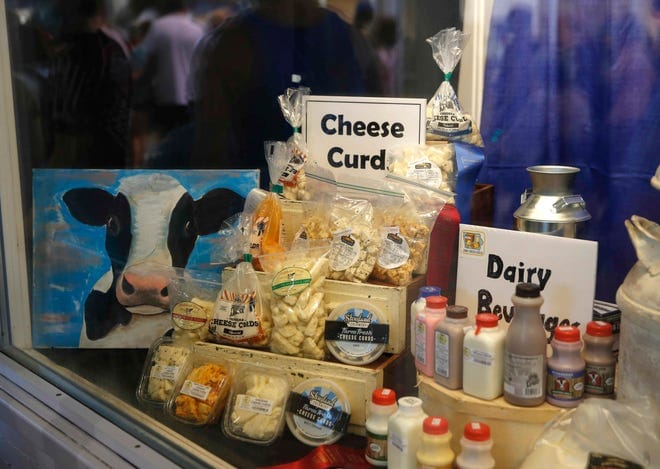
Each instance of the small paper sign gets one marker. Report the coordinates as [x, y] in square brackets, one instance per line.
[350, 135]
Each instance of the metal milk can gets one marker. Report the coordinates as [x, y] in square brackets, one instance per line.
[551, 207]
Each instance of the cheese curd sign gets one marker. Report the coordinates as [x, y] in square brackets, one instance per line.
[350, 135]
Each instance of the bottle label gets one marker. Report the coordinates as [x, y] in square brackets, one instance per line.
[400, 442]
[599, 379]
[565, 386]
[523, 375]
[442, 354]
[376, 448]
[480, 357]
[420, 341]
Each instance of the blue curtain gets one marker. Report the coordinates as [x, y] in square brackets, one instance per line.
[576, 83]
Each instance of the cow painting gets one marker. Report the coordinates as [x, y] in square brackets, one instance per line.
[150, 225]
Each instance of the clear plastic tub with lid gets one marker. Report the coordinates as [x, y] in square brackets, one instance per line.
[201, 392]
[356, 332]
[257, 404]
[165, 361]
[318, 412]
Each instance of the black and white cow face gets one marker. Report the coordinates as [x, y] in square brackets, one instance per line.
[151, 226]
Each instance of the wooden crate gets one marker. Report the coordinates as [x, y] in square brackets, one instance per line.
[513, 429]
[358, 382]
[393, 301]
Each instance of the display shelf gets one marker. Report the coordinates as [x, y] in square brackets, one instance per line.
[514, 429]
[358, 382]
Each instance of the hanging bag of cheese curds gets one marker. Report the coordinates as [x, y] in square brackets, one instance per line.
[404, 214]
[445, 119]
[297, 301]
[240, 314]
[294, 152]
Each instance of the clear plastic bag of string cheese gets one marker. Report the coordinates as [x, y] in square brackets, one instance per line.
[241, 315]
[405, 226]
[294, 153]
[445, 119]
[297, 301]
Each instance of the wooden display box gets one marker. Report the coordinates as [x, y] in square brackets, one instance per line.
[358, 382]
[393, 301]
[513, 429]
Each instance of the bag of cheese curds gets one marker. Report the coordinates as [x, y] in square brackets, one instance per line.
[445, 119]
[240, 314]
[293, 153]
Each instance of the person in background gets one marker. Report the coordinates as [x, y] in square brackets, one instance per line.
[88, 92]
[167, 51]
[384, 39]
[249, 61]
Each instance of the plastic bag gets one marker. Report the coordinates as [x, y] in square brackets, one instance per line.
[405, 226]
[433, 165]
[445, 119]
[294, 153]
[240, 315]
[625, 429]
[297, 301]
[266, 226]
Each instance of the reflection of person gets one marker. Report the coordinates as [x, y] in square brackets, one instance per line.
[168, 49]
[88, 90]
[249, 61]
[384, 38]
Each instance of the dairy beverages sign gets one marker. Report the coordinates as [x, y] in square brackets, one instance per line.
[350, 135]
[492, 261]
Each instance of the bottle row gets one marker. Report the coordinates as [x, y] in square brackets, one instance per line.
[400, 434]
[487, 361]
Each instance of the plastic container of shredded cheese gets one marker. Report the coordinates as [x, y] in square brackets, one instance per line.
[356, 332]
[318, 412]
[165, 361]
[257, 403]
[201, 392]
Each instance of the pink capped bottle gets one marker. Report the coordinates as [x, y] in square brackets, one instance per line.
[434, 312]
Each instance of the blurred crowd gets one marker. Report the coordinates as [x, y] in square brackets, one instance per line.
[177, 84]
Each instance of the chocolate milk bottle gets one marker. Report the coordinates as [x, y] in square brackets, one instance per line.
[525, 349]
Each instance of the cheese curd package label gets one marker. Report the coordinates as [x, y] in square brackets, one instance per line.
[196, 390]
[235, 317]
[318, 412]
[345, 250]
[240, 314]
[395, 250]
[189, 316]
[356, 332]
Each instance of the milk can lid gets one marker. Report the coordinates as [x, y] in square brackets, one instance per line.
[476, 431]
